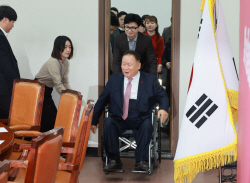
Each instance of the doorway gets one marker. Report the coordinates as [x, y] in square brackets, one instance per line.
[104, 66]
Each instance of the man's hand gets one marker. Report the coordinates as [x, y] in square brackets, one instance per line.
[168, 65]
[159, 69]
[93, 128]
[163, 114]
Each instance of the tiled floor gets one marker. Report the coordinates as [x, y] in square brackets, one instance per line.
[92, 173]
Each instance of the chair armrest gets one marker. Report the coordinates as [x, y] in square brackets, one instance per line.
[25, 128]
[17, 163]
[4, 121]
[35, 128]
[24, 133]
[68, 144]
[68, 150]
[68, 166]
[17, 147]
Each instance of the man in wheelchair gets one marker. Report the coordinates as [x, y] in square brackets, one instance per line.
[131, 95]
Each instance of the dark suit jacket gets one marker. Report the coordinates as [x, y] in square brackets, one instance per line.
[166, 34]
[116, 32]
[144, 47]
[113, 36]
[150, 92]
[8, 68]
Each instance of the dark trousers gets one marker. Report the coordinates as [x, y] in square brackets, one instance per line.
[4, 106]
[114, 128]
[49, 111]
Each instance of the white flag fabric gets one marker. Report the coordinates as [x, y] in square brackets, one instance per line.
[227, 60]
[207, 136]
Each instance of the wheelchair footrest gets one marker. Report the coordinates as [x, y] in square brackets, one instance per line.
[136, 171]
[114, 171]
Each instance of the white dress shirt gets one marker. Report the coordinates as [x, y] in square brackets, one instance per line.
[121, 29]
[5, 33]
[132, 44]
[135, 85]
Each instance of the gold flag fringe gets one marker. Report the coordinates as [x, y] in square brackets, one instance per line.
[233, 100]
[186, 169]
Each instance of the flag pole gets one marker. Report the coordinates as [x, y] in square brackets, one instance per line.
[220, 173]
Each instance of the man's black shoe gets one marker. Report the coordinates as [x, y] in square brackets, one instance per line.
[141, 166]
[112, 165]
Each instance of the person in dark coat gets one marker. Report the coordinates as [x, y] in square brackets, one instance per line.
[131, 95]
[136, 41]
[8, 64]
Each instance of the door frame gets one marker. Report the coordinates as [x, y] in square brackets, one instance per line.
[104, 57]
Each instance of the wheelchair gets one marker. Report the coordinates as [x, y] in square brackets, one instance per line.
[154, 145]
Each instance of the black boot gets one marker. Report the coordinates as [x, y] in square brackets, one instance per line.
[112, 165]
[141, 166]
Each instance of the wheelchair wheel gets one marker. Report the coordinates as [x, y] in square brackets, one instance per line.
[159, 140]
[156, 155]
[156, 151]
[103, 152]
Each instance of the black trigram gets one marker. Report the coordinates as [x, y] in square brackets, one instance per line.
[235, 68]
[200, 28]
[197, 110]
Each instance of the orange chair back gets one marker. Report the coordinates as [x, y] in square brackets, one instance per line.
[82, 138]
[68, 113]
[4, 169]
[86, 139]
[44, 157]
[26, 102]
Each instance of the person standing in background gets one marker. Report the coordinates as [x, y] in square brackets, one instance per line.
[120, 29]
[142, 27]
[114, 10]
[166, 34]
[54, 73]
[121, 16]
[114, 24]
[158, 42]
[136, 41]
[8, 64]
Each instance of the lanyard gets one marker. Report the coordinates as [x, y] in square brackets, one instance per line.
[62, 77]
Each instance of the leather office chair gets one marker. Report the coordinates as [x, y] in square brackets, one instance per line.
[43, 159]
[77, 149]
[4, 169]
[26, 106]
[67, 116]
[68, 113]
[25, 109]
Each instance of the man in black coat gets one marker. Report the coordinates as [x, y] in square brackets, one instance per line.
[8, 63]
[131, 95]
[132, 39]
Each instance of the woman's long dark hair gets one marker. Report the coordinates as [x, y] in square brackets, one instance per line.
[153, 19]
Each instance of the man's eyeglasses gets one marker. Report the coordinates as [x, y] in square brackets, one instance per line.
[130, 28]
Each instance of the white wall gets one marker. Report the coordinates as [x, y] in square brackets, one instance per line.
[190, 22]
[37, 26]
[162, 9]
